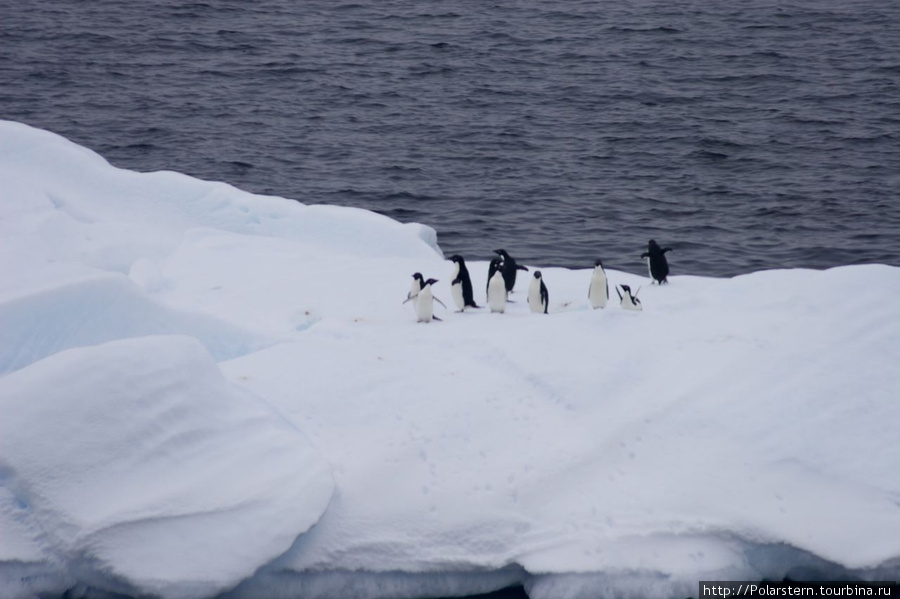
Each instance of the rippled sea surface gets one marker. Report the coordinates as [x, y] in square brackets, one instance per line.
[745, 135]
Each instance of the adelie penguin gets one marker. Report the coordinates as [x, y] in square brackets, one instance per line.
[493, 267]
[509, 269]
[538, 298]
[628, 301]
[496, 292]
[425, 303]
[417, 284]
[656, 262]
[461, 284]
[598, 291]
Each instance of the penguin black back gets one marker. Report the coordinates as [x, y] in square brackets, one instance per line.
[465, 280]
[544, 294]
[656, 257]
[509, 269]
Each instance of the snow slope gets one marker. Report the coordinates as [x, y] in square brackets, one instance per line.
[135, 463]
[735, 429]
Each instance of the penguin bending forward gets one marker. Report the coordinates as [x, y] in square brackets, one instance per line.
[538, 298]
[496, 292]
[656, 262]
[628, 301]
[461, 284]
[598, 291]
[509, 268]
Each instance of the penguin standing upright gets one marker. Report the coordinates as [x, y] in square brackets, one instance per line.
[495, 265]
[628, 301]
[509, 268]
[656, 262]
[538, 298]
[425, 303]
[598, 291]
[496, 292]
[417, 284]
[456, 292]
[461, 273]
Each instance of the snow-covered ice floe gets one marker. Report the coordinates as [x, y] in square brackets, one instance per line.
[204, 391]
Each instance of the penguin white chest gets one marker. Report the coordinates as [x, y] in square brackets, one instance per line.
[425, 305]
[598, 293]
[534, 296]
[413, 293]
[630, 303]
[456, 291]
[497, 293]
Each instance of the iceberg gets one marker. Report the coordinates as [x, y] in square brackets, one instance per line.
[205, 392]
[134, 466]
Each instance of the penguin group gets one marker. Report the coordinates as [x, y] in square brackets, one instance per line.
[501, 279]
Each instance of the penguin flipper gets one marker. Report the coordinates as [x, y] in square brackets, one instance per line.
[520, 267]
[412, 297]
[620, 294]
[645, 255]
[440, 302]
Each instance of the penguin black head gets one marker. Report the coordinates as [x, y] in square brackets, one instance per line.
[502, 252]
[418, 276]
[653, 244]
[457, 258]
[626, 289]
[537, 274]
[430, 282]
[598, 263]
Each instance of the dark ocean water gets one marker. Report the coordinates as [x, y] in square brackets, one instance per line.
[745, 135]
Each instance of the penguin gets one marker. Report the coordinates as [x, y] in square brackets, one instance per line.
[496, 292]
[493, 267]
[415, 288]
[538, 298]
[598, 291]
[456, 292]
[510, 269]
[628, 301]
[425, 303]
[656, 262]
[462, 273]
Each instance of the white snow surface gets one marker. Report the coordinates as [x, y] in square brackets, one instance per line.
[205, 391]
